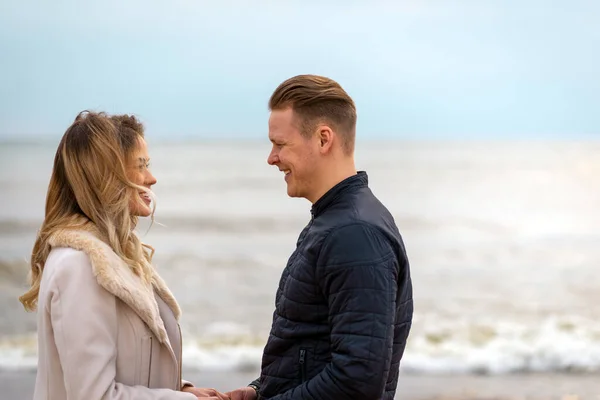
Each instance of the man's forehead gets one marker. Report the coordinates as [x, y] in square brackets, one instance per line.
[275, 125]
[280, 132]
[274, 120]
[274, 135]
[282, 122]
[281, 116]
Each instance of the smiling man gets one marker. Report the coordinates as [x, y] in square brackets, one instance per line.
[344, 303]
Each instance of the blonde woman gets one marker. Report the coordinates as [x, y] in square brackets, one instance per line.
[107, 323]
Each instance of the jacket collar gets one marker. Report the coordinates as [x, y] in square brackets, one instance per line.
[114, 275]
[349, 184]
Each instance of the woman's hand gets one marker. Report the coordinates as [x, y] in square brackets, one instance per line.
[207, 394]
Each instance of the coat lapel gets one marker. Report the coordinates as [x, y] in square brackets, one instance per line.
[114, 275]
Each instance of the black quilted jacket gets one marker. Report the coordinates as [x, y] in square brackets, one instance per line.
[344, 304]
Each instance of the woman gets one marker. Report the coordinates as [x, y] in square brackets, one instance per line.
[107, 323]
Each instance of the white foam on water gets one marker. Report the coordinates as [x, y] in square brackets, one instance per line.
[223, 358]
[565, 344]
[18, 353]
[556, 344]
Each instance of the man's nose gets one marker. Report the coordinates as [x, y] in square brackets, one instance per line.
[273, 158]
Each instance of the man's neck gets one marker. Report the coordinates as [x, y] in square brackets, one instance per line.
[338, 173]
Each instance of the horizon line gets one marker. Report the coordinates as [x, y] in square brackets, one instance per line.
[160, 139]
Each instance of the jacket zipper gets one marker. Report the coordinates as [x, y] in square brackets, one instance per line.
[302, 362]
[306, 229]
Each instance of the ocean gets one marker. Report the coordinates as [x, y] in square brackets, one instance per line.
[503, 238]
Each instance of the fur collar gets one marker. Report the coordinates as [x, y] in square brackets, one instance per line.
[114, 275]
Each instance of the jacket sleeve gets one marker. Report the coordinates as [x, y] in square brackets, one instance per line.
[84, 320]
[358, 272]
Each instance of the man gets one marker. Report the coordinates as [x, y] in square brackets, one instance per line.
[344, 304]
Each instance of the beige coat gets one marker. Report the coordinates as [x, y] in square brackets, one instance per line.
[102, 334]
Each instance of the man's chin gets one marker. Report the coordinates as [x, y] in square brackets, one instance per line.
[291, 192]
[296, 195]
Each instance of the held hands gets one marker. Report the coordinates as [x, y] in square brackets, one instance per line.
[245, 393]
[207, 394]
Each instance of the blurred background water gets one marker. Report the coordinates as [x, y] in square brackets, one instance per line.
[502, 238]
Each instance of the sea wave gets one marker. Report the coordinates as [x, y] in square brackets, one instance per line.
[195, 223]
[554, 344]
[13, 272]
[272, 223]
[557, 344]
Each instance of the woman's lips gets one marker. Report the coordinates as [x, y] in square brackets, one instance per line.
[146, 198]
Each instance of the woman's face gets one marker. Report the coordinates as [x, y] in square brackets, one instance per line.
[139, 173]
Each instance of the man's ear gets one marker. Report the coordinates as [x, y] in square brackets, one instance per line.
[326, 137]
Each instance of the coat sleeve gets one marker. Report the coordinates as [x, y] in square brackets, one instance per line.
[84, 320]
[358, 272]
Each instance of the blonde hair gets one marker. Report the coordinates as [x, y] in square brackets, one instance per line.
[89, 186]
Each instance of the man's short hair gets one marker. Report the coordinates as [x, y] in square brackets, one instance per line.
[318, 100]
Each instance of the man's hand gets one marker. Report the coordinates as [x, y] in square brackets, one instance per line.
[203, 393]
[245, 393]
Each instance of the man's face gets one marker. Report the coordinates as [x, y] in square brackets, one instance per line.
[295, 155]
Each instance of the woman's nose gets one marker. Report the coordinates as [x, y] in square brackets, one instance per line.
[150, 179]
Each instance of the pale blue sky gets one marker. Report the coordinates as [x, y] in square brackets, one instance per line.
[193, 68]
